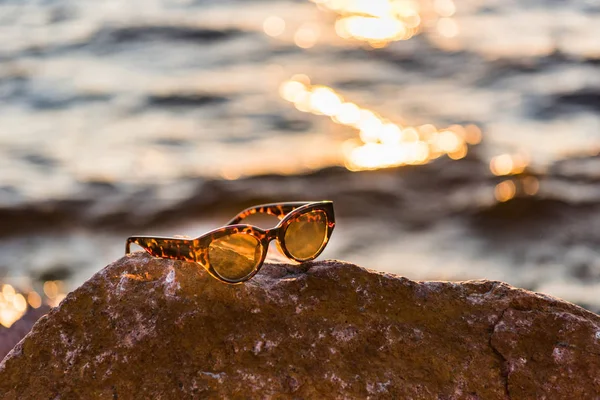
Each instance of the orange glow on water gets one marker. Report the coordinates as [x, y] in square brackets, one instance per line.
[517, 186]
[323, 100]
[50, 289]
[348, 114]
[449, 142]
[381, 143]
[54, 291]
[472, 134]
[274, 26]
[12, 306]
[531, 185]
[372, 29]
[291, 89]
[378, 155]
[8, 292]
[505, 191]
[307, 35]
[380, 22]
[507, 164]
[34, 299]
[377, 22]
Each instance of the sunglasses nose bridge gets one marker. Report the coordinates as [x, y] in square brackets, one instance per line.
[271, 234]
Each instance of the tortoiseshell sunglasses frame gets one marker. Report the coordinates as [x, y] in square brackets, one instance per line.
[196, 250]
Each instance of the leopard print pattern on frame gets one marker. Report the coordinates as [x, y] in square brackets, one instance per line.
[279, 210]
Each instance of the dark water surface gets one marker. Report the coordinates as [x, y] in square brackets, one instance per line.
[119, 118]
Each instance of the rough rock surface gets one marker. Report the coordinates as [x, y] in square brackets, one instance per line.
[150, 328]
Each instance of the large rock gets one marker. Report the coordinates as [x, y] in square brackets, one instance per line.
[147, 328]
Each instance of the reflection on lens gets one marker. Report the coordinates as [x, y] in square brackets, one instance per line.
[306, 234]
[234, 256]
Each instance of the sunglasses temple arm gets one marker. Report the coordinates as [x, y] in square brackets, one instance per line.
[277, 210]
[172, 248]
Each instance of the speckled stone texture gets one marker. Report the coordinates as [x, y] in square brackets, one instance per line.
[149, 328]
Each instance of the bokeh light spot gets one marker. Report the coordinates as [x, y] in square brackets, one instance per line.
[505, 191]
[531, 185]
[34, 299]
[307, 35]
[274, 26]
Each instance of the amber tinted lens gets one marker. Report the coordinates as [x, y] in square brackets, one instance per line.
[235, 256]
[306, 234]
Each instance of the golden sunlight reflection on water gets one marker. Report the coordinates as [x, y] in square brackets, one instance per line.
[274, 26]
[375, 22]
[380, 22]
[513, 166]
[307, 35]
[516, 186]
[381, 143]
[507, 164]
[54, 290]
[13, 305]
[531, 185]
[505, 191]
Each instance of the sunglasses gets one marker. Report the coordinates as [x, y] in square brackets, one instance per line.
[235, 253]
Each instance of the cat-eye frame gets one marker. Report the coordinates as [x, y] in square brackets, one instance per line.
[236, 252]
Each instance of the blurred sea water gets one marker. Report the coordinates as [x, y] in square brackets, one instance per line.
[164, 116]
